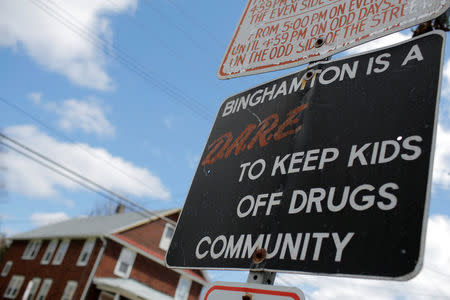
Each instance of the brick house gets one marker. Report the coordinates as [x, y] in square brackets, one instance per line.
[97, 258]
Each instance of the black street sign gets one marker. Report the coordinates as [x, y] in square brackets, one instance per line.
[327, 170]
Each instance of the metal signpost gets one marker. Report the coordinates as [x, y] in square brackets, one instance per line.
[278, 34]
[324, 171]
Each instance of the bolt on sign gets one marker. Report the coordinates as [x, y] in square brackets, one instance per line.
[324, 171]
[248, 291]
[279, 34]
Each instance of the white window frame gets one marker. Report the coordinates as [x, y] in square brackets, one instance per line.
[14, 286]
[45, 288]
[69, 290]
[61, 252]
[51, 247]
[32, 288]
[164, 243]
[124, 254]
[183, 288]
[7, 268]
[88, 247]
[32, 249]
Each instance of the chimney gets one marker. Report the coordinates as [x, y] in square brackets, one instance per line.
[120, 208]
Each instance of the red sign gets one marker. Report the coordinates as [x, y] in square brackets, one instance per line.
[238, 291]
[279, 34]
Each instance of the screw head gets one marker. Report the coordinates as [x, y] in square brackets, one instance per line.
[259, 255]
[308, 75]
[319, 43]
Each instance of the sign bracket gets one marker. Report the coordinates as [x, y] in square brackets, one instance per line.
[261, 277]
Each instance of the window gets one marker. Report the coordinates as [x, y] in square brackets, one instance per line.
[32, 249]
[14, 287]
[31, 289]
[86, 252]
[183, 287]
[164, 243]
[69, 291]
[45, 287]
[61, 252]
[6, 268]
[125, 263]
[49, 252]
[107, 296]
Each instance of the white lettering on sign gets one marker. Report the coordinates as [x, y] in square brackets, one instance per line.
[386, 152]
[307, 245]
[315, 200]
[277, 34]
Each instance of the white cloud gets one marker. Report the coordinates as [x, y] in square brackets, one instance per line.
[381, 42]
[41, 219]
[26, 177]
[431, 283]
[24, 25]
[441, 168]
[35, 97]
[87, 115]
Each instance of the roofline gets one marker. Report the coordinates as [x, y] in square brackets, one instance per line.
[146, 220]
[143, 221]
[57, 237]
[155, 259]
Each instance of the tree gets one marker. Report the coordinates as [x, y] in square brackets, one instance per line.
[104, 208]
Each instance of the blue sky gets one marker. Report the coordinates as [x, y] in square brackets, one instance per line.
[143, 135]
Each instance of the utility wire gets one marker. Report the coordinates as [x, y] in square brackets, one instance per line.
[167, 20]
[66, 176]
[198, 24]
[123, 58]
[107, 43]
[148, 31]
[222, 46]
[80, 179]
[92, 154]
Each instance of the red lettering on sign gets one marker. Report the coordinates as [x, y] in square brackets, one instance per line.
[239, 143]
[224, 146]
[291, 120]
[263, 135]
[225, 139]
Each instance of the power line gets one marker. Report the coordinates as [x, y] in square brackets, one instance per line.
[166, 85]
[92, 154]
[184, 32]
[198, 24]
[211, 35]
[142, 211]
[62, 174]
[79, 179]
[123, 58]
[145, 29]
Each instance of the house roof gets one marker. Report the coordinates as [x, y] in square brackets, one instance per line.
[129, 288]
[82, 227]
